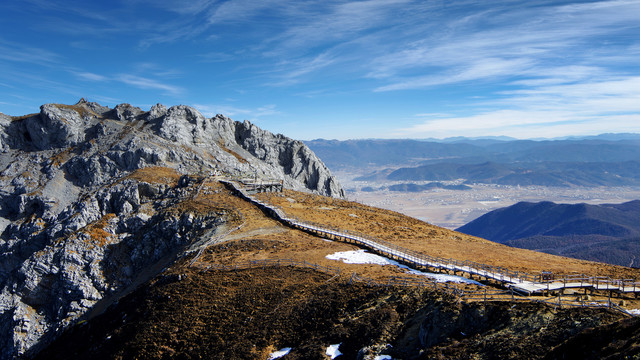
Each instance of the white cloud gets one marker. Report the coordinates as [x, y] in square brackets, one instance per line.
[509, 43]
[592, 97]
[145, 83]
[329, 23]
[191, 7]
[90, 76]
[554, 110]
[291, 71]
[252, 114]
[522, 124]
[234, 11]
[482, 69]
[19, 53]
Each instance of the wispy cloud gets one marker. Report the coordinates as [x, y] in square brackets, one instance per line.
[19, 53]
[234, 11]
[232, 111]
[482, 69]
[614, 95]
[545, 111]
[146, 83]
[291, 71]
[89, 76]
[191, 8]
[171, 32]
[522, 124]
[216, 57]
[105, 100]
[331, 22]
[509, 63]
[101, 21]
[512, 43]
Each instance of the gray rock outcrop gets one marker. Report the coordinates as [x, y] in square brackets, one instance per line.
[78, 226]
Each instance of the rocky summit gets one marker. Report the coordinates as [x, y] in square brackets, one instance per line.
[92, 203]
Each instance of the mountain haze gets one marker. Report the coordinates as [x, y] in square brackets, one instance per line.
[598, 161]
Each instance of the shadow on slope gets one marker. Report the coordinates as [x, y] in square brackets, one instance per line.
[247, 314]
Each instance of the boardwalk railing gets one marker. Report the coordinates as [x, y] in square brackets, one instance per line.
[558, 301]
[520, 282]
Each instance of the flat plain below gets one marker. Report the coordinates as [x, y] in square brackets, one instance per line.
[454, 208]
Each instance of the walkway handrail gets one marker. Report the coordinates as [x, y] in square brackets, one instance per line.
[416, 259]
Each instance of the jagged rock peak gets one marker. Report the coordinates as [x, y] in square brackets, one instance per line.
[59, 126]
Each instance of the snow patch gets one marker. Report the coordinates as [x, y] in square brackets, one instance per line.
[280, 353]
[383, 357]
[364, 257]
[360, 257]
[634, 311]
[333, 351]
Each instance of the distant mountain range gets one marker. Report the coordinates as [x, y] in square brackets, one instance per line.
[604, 160]
[365, 153]
[410, 187]
[535, 173]
[608, 233]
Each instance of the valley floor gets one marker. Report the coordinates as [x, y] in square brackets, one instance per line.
[454, 208]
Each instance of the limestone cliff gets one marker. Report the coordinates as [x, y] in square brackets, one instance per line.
[89, 195]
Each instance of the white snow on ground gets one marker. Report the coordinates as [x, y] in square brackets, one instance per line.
[634, 311]
[360, 257]
[382, 357]
[280, 353]
[364, 257]
[333, 351]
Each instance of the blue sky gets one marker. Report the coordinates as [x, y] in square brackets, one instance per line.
[337, 69]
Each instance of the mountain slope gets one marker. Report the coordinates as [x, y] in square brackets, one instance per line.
[593, 232]
[199, 309]
[208, 302]
[120, 217]
[230, 315]
[95, 200]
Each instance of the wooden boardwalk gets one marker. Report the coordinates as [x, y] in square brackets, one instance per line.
[254, 186]
[521, 282]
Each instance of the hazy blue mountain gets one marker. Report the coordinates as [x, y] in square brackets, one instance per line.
[365, 153]
[449, 171]
[565, 151]
[409, 187]
[608, 159]
[524, 174]
[608, 233]
[609, 137]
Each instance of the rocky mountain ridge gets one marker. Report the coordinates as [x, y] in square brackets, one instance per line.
[94, 200]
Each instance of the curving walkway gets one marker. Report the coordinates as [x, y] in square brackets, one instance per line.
[520, 282]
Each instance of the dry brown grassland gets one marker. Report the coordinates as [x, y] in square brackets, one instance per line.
[265, 238]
